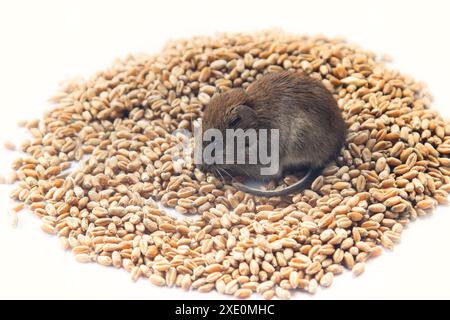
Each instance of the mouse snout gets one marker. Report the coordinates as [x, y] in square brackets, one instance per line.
[204, 167]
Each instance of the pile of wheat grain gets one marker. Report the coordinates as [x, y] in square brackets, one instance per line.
[118, 125]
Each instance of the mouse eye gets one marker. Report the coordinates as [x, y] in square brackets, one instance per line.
[235, 122]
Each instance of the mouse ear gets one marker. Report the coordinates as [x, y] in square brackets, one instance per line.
[242, 117]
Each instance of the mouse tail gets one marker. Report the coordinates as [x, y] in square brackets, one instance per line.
[299, 185]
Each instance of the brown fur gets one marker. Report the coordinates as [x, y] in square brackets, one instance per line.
[312, 130]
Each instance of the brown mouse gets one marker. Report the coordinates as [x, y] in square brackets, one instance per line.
[311, 128]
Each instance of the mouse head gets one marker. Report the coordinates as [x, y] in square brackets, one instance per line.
[227, 110]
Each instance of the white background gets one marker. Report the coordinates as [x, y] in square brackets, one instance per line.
[43, 42]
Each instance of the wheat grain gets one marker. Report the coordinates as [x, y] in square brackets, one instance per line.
[358, 269]
[9, 146]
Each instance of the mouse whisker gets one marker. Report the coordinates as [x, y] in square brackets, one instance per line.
[242, 170]
[217, 171]
[233, 179]
[226, 172]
